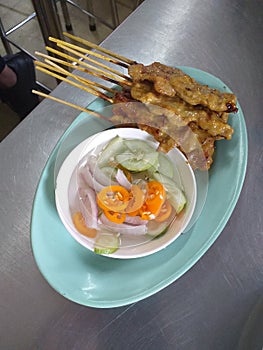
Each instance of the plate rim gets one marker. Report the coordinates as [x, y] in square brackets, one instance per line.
[163, 283]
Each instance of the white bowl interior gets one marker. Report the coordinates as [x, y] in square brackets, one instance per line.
[66, 193]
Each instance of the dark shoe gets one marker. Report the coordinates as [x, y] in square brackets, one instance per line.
[20, 97]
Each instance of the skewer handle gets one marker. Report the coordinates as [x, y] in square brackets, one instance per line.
[86, 110]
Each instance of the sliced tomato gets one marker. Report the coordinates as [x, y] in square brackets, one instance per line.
[113, 198]
[79, 223]
[165, 212]
[118, 218]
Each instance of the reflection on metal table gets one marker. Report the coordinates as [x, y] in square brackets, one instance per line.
[209, 306]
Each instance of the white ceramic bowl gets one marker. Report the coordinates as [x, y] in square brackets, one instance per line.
[66, 189]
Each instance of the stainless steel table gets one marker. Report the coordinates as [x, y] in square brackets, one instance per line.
[209, 306]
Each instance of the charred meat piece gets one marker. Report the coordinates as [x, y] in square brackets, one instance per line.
[206, 119]
[123, 96]
[172, 81]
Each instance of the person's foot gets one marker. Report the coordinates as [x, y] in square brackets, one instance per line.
[20, 97]
[8, 78]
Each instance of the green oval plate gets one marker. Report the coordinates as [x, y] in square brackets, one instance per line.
[91, 280]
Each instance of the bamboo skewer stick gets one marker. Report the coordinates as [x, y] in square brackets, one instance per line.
[105, 75]
[77, 67]
[51, 68]
[99, 48]
[82, 80]
[89, 90]
[86, 110]
[76, 53]
[54, 67]
[89, 52]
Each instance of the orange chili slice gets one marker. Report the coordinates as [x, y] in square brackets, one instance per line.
[145, 213]
[165, 212]
[113, 198]
[134, 213]
[79, 223]
[118, 218]
[155, 197]
[136, 200]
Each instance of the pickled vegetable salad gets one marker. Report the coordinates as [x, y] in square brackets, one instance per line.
[128, 189]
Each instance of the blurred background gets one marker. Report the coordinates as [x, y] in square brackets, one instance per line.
[19, 23]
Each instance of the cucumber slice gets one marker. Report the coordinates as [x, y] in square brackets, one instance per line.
[155, 228]
[139, 156]
[107, 243]
[165, 165]
[115, 146]
[109, 172]
[137, 146]
[137, 161]
[174, 193]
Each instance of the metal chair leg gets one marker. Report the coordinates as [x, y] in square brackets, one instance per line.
[115, 15]
[48, 19]
[99, 19]
[65, 13]
[5, 42]
[92, 22]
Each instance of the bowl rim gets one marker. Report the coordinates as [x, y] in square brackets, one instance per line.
[64, 177]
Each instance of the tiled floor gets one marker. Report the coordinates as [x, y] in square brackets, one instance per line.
[29, 37]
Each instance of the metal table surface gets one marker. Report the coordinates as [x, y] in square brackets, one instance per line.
[208, 307]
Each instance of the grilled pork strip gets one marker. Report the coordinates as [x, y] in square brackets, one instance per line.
[206, 119]
[171, 81]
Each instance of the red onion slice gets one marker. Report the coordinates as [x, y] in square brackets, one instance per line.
[85, 174]
[124, 229]
[135, 220]
[122, 179]
[88, 206]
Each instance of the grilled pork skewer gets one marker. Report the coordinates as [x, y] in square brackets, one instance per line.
[167, 80]
[172, 102]
[174, 134]
[172, 82]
